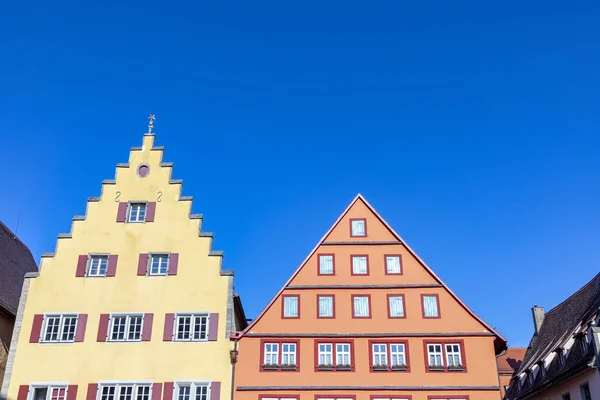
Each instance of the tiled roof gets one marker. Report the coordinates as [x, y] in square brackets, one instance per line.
[15, 261]
[510, 362]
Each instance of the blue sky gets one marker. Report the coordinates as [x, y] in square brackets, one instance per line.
[471, 127]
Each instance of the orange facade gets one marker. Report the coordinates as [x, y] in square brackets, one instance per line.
[364, 318]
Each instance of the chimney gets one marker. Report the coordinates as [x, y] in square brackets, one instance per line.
[538, 318]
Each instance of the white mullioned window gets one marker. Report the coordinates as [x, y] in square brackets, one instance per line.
[124, 391]
[271, 354]
[158, 264]
[326, 264]
[59, 328]
[192, 391]
[397, 354]
[97, 265]
[360, 265]
[388, 398]
[326, 306]
[342, 354]
[361, 306]
[291, 306]
[453, 357]
[434, 355]
[392, 265]
[288, 353]
[396, 305]
[191, 327]
[137, 212]
[126, 327]
[325, 351]
[48, 392]
[358, 227]
[430, 307]
[380, 354]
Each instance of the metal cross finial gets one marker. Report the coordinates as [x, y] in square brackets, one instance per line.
[151, 123]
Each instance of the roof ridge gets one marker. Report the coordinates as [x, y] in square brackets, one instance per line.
[14, 235]
[574, 293]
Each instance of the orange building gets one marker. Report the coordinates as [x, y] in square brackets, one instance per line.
[364, 318]
[508, 363]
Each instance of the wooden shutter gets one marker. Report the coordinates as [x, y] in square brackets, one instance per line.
[71, 392]
[36, 328]
[92, 390]
[103, 327]
[150, 211]
[147, 327]
[173, 261]
[168, 332]
[111, 268]
[215, 390]
[168, 391]
[81, 265]
[122, 212]
[213, 326]
[23, 392]
[156, 391]
[80, 330]
[142, 264]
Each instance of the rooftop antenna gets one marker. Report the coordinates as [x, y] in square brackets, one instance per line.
[151, 123]
[17, 228]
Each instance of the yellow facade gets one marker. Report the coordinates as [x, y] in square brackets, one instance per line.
[200, 285]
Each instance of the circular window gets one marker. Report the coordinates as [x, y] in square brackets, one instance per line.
[143, 171]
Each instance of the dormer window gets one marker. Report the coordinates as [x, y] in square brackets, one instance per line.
[358, 227]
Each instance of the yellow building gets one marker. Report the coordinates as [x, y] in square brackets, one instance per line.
[132, 305]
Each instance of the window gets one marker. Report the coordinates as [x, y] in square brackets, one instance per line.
[325, 304]
[342, 354]
[434, 354]
[97, 265]
[386, 356]
[446, 356]
[334, 356]
[397, 354]
[191, 327]
[325, 354]
[393, 398]
[158, 264]
[270, 397]
[50, 392]
[453, 358]
[124, 391]
[192, 391]
[291, 307]
[430, 306]
[358, 227]
[360, 265]
[361, 307]
[59, 328]
[380, 356]
[396, 306]
[326, 266]
[585, 392]
[566, 396]
[280, 356]
[137, 212]
[126, 328]
[393, 265]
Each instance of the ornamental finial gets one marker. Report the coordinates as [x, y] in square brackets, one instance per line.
[151, 123]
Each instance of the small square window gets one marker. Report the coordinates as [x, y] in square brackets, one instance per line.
[59, 328]
[396, 306]
[191, 327]
[430, 306]
[291, 307]
[158, 264]
[325, 306]
[360, 265]
[361, 307]
[358, 227]
[137, 212]
[126, 328]
[393, 265]
[326, 264]
[97, 265]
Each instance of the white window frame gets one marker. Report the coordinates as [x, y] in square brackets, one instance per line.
[398, 353]
[158, 255]
[331, 312]
[130, 208]
[453, 354]
[354, 229]
[193, 316]
[343, 352]
[49, 386]
[435, 353]
[377, 353]
[128, 316]
[119, 385]
[321, 263]
[291, 354]
[325, 350]
[394, 296]
[271, 353]
[90, 262]
[390, 398]
[193, 385]
[387, 265]
[61, 327]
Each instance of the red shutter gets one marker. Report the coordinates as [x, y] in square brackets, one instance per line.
[23, 392]
[80, 330]
[168, 332]
[213, 326]
[81, 264]
[71, 392]
[150, 211]
[168, 391]
[36, 328]
[215, 390]
[156, 389]
[111, 268]
[92, 389]
[142, 264]
[103, 327]
[173, 261]
[122, 212]
[147, 327]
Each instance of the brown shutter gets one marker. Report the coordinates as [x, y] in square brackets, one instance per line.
[36, 328]
[23, 392]
[173, 261]
[150, 211]
[215, 390]
[213, 326]
[111, 268]
[81, 265]
[156, 391]
[80, 330]
[72, 392]
[92, 389]
[168, 391]
[103, 327]
[147, 327]
[168, 332]
[122, 212]
[142, 264]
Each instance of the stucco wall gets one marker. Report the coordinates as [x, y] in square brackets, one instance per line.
[573, 387]
[6, 329]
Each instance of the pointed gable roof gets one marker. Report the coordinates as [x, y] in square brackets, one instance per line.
[385, 234]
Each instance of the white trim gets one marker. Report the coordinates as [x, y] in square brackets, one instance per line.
[127, 327]
[61, 325]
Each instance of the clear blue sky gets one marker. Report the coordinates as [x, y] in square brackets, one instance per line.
[473, 128]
